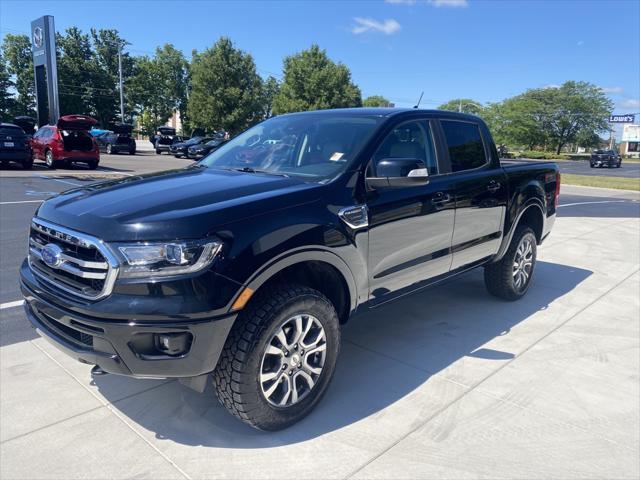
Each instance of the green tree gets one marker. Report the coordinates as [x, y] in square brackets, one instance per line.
[375, 101]
[174, 70]
[517, 121]
[270, 89]
[16, 50]
[147, 89]
[75, 81]
[464, 105]
[226, 91]
[6, 99]
[572, 108]
[312, 81]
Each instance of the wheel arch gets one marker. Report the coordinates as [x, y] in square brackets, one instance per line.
[318, 269]
[532, 214]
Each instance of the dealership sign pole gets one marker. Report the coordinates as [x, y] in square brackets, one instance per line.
[45, 69]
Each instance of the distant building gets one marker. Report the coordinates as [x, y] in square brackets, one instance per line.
[630, 144]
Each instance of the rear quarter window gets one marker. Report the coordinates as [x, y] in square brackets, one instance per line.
[464, 141]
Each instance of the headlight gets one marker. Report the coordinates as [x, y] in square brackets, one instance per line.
[150, 260]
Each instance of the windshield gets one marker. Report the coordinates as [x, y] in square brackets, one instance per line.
[316, 147]
[193, 141]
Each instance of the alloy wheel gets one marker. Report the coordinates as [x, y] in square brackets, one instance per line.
[293, 360]
[48, 158]
[523, 263]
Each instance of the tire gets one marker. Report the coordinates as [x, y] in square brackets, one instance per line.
[619, 164]
[241, 378]
[592, 165]
[109, 149]
[48, 159]
[93, 164]
[132, 151]
[158, 152]
[27, 163]
[501, 278]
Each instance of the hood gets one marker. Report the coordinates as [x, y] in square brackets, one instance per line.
[76, 122]
[177, 204]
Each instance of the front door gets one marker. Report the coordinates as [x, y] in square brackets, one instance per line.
[410, 228]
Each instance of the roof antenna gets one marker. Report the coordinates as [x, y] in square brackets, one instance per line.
[419, 100]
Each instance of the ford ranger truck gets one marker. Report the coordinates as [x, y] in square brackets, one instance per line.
[243, 267]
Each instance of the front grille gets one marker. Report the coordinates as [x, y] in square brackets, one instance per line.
[81, 264]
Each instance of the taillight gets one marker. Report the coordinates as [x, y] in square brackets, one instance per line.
[557, 195]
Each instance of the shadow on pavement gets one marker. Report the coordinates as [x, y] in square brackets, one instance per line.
[387, 353]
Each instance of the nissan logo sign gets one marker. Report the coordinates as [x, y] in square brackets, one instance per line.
[37, 37]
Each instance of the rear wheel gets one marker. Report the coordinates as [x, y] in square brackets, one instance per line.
[132, 151]
[158, 151]
[48, 159]
[592, 165]
[93, 164]
[27, 163]
[279, 357]
[510, 277]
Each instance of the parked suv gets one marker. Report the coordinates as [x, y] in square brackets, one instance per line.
[14, 146]
[117, 140]
[243, 267]
[181, 149]
[163, 139]
[67, 142]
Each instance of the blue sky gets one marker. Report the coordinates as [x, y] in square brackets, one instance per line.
[485, 50]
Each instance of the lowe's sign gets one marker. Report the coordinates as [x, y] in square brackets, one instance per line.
[622, 118]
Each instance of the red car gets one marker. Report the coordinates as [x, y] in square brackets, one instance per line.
[67, 142]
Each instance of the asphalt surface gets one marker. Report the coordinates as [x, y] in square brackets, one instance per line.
[582, 167]
[459, 385]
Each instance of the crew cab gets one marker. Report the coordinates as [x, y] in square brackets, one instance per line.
[243, 267]
[67, 142]
[609, 158]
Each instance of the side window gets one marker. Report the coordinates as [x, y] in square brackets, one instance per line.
[466, 150]
[409, 140]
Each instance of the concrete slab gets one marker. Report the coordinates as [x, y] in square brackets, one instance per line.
[96, 445]
[35, 392]
[371, 402]
[119, 387]
[483, 437]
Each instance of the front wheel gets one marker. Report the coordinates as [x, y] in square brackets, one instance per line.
[279, 357]
[109, 149]
[510, 277]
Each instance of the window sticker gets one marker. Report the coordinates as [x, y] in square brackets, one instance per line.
[336, 156]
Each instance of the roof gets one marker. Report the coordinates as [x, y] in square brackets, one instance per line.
[385, 112]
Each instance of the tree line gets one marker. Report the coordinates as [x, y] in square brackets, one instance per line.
[221, 88]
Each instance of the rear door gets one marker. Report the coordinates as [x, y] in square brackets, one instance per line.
[410, 228]
[480, 188]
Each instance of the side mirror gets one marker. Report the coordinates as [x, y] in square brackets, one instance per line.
[399, 172]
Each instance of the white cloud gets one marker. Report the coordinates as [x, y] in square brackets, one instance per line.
[364, 25]
[551, 85]
[435, 3]
[630, 103]
[448, 3]
[612, 89]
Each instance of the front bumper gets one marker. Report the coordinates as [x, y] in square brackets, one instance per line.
[125, 347]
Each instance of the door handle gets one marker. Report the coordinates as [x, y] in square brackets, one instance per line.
[493, 186]
[440, 197]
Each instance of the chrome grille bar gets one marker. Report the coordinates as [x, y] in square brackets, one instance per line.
[86, 267]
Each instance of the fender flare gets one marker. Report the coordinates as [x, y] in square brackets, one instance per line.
[531, 203]
[290, 258]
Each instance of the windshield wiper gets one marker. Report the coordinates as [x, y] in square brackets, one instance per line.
[253, 170]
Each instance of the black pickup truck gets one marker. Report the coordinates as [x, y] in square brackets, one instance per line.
[243, 267]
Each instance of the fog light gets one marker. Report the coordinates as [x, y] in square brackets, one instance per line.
[173, 343]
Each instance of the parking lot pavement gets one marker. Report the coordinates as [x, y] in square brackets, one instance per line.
[449, 382]
[110, 165]
[581, 167]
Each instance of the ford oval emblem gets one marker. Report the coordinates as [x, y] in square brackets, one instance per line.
[51, 255]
